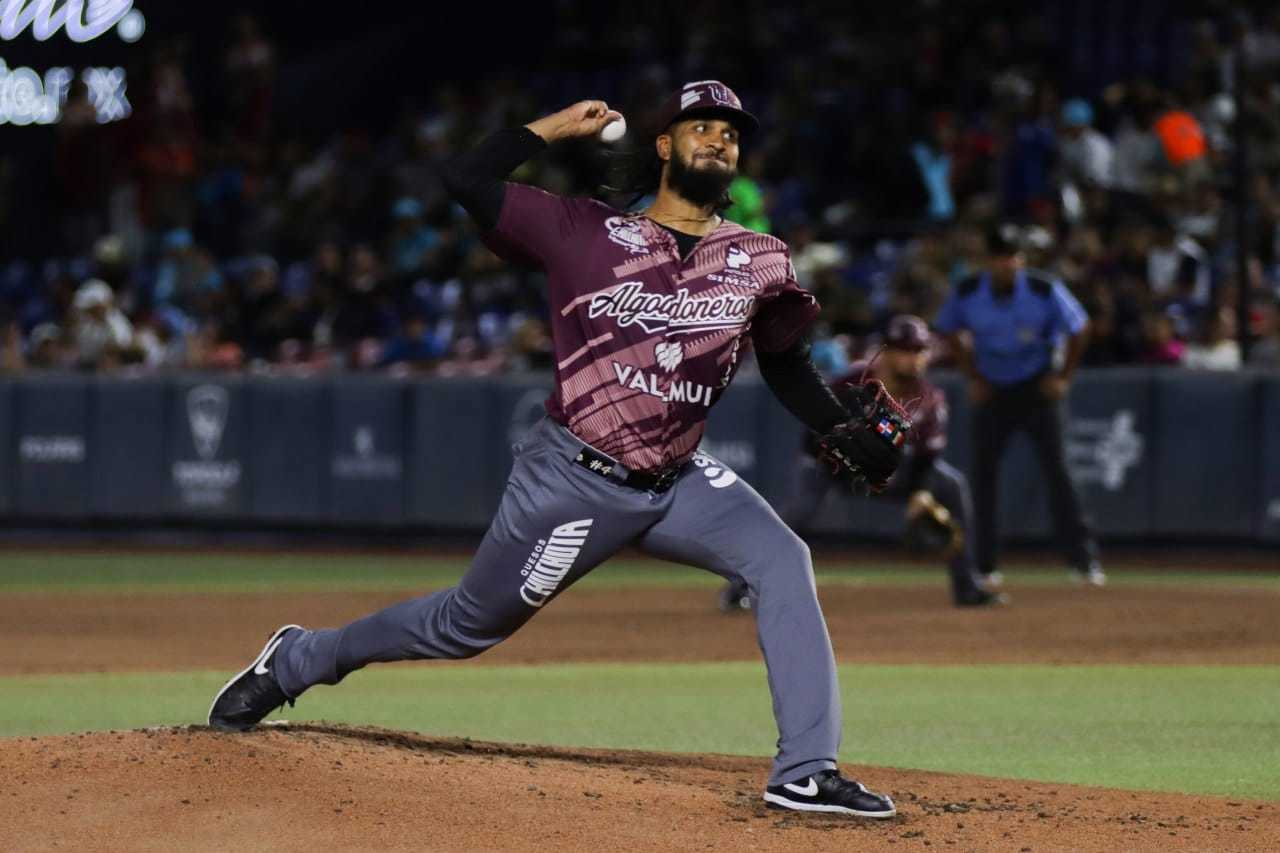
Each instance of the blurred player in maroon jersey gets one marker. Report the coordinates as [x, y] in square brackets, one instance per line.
[925, 483]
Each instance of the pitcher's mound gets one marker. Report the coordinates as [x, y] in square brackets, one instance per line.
[315, 787]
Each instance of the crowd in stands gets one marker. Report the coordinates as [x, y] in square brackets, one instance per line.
[230, 243]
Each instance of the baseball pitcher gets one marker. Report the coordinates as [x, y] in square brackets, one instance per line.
[651, 315]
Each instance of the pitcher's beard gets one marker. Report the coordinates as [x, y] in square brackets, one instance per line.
[702, 187]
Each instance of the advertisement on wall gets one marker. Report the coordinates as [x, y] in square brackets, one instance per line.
[1104, 452]
[362, 460]
[366, 459]
[206, 467]
[51, 448]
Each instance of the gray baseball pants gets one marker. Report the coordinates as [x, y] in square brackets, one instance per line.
[556, 522]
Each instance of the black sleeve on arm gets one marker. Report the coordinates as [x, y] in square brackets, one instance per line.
[795, 381]
[474, 177]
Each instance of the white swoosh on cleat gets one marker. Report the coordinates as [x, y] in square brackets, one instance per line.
[261, 669]
[805, 791]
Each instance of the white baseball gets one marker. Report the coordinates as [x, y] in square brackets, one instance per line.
[614, 130]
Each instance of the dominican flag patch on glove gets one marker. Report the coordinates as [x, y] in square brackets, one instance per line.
[890, 432]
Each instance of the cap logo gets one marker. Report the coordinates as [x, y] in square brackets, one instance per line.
[718, 92]
[721, 95]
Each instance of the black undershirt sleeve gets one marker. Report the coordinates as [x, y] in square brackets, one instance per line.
[795, 381]
[475, 177]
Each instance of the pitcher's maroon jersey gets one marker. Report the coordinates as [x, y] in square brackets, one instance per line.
[645, 342]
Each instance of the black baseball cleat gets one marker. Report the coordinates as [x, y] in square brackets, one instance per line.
[251, 695]
[828, 791]
[982, 598]
[735, 597]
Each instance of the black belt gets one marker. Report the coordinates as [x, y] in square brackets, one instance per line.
[607, 467]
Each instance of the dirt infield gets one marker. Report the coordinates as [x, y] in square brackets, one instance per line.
[101, 633]
[318, 788]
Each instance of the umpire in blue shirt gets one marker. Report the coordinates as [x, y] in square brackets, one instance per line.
[1016, 319]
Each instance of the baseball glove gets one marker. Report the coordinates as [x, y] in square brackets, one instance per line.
[865, 450]
[931, 528]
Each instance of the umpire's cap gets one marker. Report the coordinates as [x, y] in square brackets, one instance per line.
[1004, 239]
[907, 331]
[709, 97]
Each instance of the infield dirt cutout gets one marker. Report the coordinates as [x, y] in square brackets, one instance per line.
[309, 787]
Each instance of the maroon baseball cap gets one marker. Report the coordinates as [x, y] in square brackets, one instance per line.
[907, 331]
[706, 96]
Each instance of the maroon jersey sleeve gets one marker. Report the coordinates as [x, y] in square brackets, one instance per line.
[929, 421]
[786, 310]
[535, 226]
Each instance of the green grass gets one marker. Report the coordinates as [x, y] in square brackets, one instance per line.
[1210, 730]
[241, 572]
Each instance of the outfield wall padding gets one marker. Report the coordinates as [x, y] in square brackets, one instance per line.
[459, 453]
[1156, 453]
[127, 477]
[289, 421]
[6, 447]
[1207, 448]
[1267, 505]
[51, 447]
[368, 419]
